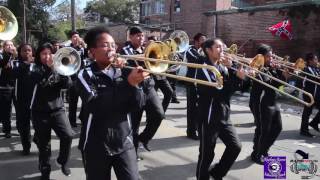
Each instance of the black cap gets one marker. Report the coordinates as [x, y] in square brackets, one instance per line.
[135, 30]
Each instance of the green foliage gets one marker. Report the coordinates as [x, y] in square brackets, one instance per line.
[301, 12]
[37, 17]
[115, 10]
[60, 31]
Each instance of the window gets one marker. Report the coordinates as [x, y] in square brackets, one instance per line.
[145, 8]
[177, 7]
[159, 6]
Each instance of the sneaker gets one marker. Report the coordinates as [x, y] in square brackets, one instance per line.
[64, 168]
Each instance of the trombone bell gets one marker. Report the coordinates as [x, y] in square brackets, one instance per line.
[66, 61]
[8, 24]
[157, 50]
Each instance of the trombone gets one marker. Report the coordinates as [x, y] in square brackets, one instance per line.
[298, 67]
[158, 55]
[255, 64]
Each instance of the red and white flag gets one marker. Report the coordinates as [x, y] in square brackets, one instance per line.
[282, 29]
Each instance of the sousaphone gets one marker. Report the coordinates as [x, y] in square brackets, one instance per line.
[8, 24]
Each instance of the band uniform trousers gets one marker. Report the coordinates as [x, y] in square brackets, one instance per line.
[192, 108]
[209, 132]
[154, 116]
[254, 104]
[307, 111]
[166, 89]
[5, 109]
[271, 126]
[173, 83]
[73, 102]
[98, 164]
[43, 123]
[23, 116]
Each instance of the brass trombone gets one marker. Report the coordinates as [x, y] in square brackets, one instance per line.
[298, 67]
[156, 61]
[258, 62]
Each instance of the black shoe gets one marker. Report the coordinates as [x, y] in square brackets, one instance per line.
[64, 168]
[307, 134]
[7, 135]
[175, 101]
[45, 176]
[314, 126]
[257, 159]
[146, 146]
[193, 136]
[26, 152]
[213, 175]
[139, 158]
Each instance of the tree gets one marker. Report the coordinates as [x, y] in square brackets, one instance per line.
[37, 16]
[115, 10]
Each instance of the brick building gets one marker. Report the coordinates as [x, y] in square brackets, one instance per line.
[239, 21]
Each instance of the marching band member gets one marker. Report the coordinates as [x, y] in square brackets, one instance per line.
[6, 86]
[255, 100]
[271, 124]
[153, 107]
[193, 56]
[23, 93]
[110, 94]
[312, 62]
[214, 112]
[48, 111]
[72, 92]
[162, 83]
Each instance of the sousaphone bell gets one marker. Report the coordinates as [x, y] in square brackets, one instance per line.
[8, 24]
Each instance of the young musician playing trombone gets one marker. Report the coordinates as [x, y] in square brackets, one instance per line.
[153, 107]
[193, 56]
[214, 112]
[312, 62]
[270, 118]
[110, 94]
[255, 100]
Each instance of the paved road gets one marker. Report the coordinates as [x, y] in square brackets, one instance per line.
[174, 157]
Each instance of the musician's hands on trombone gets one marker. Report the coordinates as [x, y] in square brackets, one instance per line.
[119, 62]
[137, 75]
[226, 61]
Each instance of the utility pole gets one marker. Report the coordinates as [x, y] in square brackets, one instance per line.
[24, 22]
[73, 17]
